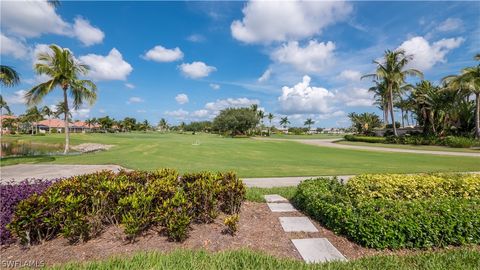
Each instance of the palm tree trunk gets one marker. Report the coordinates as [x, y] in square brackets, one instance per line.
[477, 116]
[390, 103]
[385, 113]
[403, 123]
[67, 132]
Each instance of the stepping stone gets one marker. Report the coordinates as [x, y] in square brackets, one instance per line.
[297, 224]
[274, 198]
[316, 250]
[281, 207]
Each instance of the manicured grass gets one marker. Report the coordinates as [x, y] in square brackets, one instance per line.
[304, 137]
[244, 259]
[255, 194]
[413, 147]
[248, 157]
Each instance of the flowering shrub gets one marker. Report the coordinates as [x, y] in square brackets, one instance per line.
[81, 206]
[10, 195]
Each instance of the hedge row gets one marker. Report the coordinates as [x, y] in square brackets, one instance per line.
[450, 141]
[388, 222]
[80, 207]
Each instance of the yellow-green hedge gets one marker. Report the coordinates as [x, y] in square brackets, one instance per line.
[405, 187]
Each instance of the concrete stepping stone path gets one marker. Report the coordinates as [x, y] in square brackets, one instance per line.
[316, 250]
[312, 250]
[297, 224]
[281, 207]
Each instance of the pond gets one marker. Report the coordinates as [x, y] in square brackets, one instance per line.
[22, 148]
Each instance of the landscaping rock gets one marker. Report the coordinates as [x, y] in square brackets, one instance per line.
[273, 198]
[297, 224]
[316, 250]
[91, 147]
[281, 207]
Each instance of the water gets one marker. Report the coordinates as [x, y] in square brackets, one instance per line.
[22, 149]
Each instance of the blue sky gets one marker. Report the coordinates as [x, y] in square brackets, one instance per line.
[185, 61]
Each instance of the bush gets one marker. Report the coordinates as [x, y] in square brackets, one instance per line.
[231, 223]
[461, 142]
[80, 207]
[451, 141]
[368, 139]
[369, 211]
[10, 195]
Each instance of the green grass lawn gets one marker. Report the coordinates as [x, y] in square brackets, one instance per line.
[244, 259]
[413, 147]
[250, 158]
[304, 137]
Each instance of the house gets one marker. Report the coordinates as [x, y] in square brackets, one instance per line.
[58, 125]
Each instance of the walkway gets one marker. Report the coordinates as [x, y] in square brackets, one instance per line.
[312, 250]
[331, 143]
[21, 172]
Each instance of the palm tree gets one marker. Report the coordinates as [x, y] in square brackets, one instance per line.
[46, 111]
[3, 105]
[8, 76]
[254, 107]
[63, 70]
[393, 73]
[469, 82]
[284, 122]
[309, 123]
[163, 124]
[381, 98]
[365, 122]
[270, 117]
[261, 116]
[33, 115]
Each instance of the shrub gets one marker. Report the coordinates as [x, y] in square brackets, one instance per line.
[460, 142]
[368, 139]
[388, 211]
[10, 195]
[80, 207]
[231, 223]
[451, 141]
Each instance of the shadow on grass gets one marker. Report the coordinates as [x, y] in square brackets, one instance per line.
[30, 159]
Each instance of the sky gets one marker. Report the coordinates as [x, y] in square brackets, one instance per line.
[186, 61]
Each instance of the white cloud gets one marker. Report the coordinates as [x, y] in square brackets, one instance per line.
[349, 75]
[179, 114]
[214, 86]
[181, 98]
[129, 85]
[426, 55]
[162, 54]
[196, 70]
[135, 100]
[32, 19]
[12, 46]
[18, 97]
[354, 97]
[196, 38]
[267, 21]
[87, 33]
[202, 114]
[81, 113]
[314, 57]
[141, 111]
[265, 76]
[221, 104]
[450, 24]
[102, 111]
[303, 98]
[109, 67]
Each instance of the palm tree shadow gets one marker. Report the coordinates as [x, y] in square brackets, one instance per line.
[26, 159]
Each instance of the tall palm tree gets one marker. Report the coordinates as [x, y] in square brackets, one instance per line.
[34, 115]
[270, 117]
[63, 70]
[47, 112]
[468, 81]
[393, 72]
[8, 76]
[284, 122]
[380, 94]
[3, 105]
[163, 124]
[261, 116]
[309, 123]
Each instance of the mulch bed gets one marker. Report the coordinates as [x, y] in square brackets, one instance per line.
[259, 229]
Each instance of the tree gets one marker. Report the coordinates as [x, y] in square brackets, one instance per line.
[33, 115]
[47, 112]
[163, 125]
[91, 122]
[8, 76]
[129, 123]
[63, 70]
[235, 121]
[284, 122]
[145, 125]
[61, 109]
[380, 94]
[105, 122]
[309, 123]
[469, 82]
[364, 123]
[393, 73]
[270, 117]
[3, 105]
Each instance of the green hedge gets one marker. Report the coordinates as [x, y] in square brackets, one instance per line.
[368, 139]
[450, 141]
[80, 207]
[389, 221]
